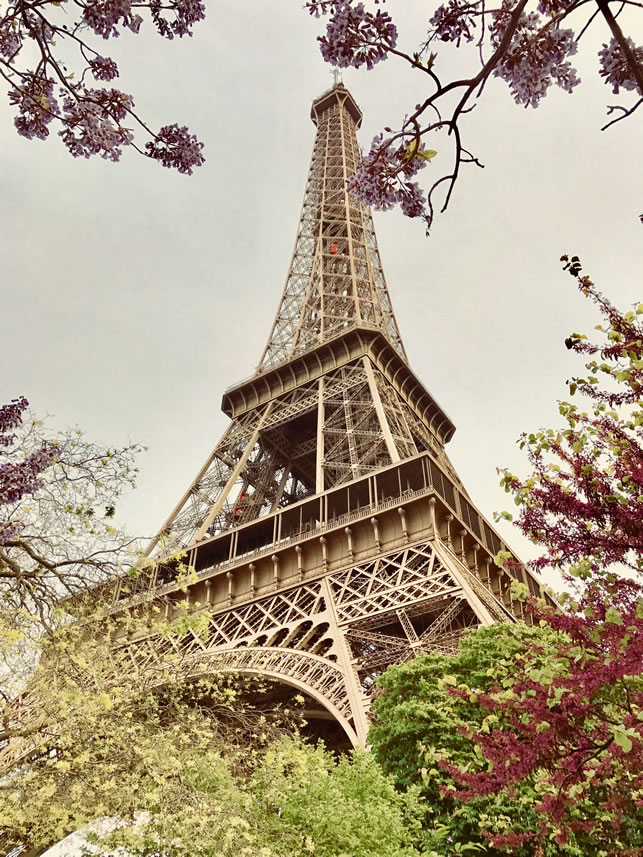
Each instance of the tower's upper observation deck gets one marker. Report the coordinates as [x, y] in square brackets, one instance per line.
[337, 95]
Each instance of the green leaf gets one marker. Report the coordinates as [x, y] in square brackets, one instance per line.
[427, 154]
[623, 741]
[413, 151]
[501, 557]
[613, 617]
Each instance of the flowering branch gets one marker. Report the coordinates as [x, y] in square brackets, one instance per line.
[528, 49]
[58, 497]
[92, 120]
[584, 501]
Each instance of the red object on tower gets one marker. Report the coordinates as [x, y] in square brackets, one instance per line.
[333, 249]
[241, 502]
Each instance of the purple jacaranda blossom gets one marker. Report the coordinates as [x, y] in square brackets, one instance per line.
[21, 478]
[381, 179]
[355, 37]
[10, 418]
[186, 13]
[176, 147]
[614, 66]
[10, 40]
[92, 125]
[453, 22]
[412, 200]
[103, 68]
[37, 106]
[536, 57]
[104, 15]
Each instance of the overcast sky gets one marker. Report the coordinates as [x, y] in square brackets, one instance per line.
[132, 296]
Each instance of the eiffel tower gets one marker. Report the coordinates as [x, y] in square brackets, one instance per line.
[328, 532]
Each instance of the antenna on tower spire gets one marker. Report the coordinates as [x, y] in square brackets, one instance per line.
[337, 77]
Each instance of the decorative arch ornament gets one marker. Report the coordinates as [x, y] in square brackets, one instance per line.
[315, 676]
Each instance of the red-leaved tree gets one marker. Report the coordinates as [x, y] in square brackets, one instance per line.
[572, 722]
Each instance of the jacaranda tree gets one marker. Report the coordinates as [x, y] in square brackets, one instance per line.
[58, 500]
[58, 75]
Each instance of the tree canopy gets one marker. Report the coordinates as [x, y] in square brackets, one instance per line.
[432, 722]
[574, 727]
[147, 758]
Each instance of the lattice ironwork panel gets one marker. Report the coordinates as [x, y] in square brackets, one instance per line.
[445, 622]
[354, 442]
[262, 616]
[498, 610]
[390, 582]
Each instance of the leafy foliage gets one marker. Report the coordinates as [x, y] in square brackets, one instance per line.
[299, 800]
[183, 765]
[104, 732]
[312, 802]
[430, 720]
[527, 44]
[573, 726]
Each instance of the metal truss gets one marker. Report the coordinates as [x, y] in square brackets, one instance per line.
[333, 636]
[319, 435]
[335, 277]
[397, 580]
[328, 638]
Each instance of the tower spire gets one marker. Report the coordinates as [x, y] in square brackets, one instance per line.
[335, 279]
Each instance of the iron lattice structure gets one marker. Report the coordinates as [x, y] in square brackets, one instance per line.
[328, 531]
[325, 292]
